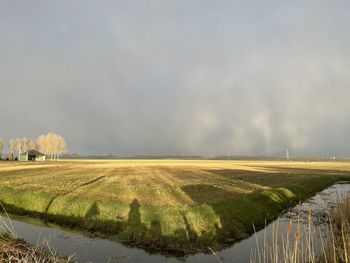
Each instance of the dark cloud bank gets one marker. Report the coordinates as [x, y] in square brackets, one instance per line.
[178, 77]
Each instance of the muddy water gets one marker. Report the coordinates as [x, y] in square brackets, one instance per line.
[92, 249]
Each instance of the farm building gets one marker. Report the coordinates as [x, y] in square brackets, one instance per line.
[32, 155]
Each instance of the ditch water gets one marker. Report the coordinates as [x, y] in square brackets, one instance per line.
[92, 249]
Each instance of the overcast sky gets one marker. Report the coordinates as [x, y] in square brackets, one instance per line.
[162, 77]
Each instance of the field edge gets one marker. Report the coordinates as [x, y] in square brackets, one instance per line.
[196, 227]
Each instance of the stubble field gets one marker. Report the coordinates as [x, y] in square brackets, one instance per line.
[173, 205]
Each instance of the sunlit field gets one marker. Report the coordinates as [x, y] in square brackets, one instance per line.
[178, 205]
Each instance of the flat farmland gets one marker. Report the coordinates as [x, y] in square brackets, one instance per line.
[174, 205]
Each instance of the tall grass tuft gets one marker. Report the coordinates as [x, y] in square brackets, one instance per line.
[338, 249]
[306, 241]
[15, 250]
[295, 244]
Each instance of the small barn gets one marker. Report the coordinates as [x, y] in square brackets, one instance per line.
[32, 155]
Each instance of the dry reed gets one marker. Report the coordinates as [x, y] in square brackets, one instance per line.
[15, 250]
[307, 241]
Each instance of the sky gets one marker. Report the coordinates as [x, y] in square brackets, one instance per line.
[178, 77]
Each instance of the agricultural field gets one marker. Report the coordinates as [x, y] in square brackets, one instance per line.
[174, 205]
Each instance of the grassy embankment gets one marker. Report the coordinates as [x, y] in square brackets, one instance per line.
[171, 205]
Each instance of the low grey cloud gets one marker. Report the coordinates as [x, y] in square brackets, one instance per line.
[178, 77]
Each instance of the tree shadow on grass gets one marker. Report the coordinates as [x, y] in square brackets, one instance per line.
[94, 211]
[235, 216]
[50, 203]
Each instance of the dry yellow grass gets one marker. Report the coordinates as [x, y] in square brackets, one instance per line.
[18, 251]
[173, 182]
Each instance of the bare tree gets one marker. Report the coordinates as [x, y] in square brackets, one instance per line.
[26, 144]
[15, 147]
[42, 144]
[1, 146]
[12, 147]
[20, 145]
[52, 145]
[61, 146]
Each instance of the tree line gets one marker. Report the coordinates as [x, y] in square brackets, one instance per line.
[52, 145]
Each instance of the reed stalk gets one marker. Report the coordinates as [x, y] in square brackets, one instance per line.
[15, 250]
[306, 241]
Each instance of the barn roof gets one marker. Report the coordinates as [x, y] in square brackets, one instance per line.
[33, 152]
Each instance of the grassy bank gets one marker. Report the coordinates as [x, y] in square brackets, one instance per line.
[170, 205]
[14, 250]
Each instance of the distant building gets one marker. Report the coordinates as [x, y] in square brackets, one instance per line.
[32, 155]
